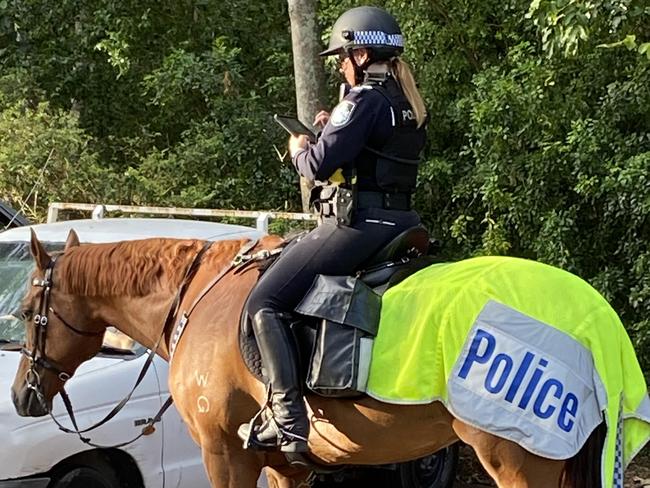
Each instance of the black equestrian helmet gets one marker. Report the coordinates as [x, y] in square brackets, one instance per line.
[369, 27]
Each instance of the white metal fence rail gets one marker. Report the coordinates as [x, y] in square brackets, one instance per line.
[262, 217]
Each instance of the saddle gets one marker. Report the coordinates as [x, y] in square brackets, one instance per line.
[335, 324]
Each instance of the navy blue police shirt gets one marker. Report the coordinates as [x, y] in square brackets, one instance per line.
[363, 117]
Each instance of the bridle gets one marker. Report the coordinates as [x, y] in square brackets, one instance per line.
[36, 355]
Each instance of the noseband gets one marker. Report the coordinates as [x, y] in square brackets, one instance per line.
[36, 356]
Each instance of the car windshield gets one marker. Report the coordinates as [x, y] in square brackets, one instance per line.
[16, 265]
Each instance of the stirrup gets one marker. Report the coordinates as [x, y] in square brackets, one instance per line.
[249, 433]
[292, 443]
[278, 437]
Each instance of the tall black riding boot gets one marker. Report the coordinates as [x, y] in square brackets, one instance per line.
[288, 426]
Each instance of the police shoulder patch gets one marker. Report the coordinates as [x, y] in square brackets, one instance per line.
[342, 113]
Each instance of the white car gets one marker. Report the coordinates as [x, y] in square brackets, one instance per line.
[34, 453]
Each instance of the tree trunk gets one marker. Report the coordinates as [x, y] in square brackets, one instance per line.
[308, 69]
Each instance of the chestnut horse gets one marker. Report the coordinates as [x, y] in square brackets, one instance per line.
[131, 286]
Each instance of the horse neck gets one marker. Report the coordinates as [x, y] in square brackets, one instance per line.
[141, 318]
[139, 314]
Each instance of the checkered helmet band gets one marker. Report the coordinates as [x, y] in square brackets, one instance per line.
[377, 38]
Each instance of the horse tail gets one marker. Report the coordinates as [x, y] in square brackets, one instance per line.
[583, 469]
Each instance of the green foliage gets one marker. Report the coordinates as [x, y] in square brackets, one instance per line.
[533, 153]
[215, 165]
[45, 156]
[572, 187]
[142, 76]
[565, 25]
[539, 140]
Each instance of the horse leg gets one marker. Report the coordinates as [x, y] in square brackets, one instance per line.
[278, 480]
[232, 467]
[509, 464]
[242, 470]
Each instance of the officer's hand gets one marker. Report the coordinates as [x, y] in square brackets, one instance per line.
[297, 143]
[321, 118]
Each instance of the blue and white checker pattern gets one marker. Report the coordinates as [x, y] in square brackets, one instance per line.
[618, 453]
[176, 336]
[378, 38]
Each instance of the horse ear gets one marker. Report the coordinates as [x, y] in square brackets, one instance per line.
[41, 256]
[72, 241]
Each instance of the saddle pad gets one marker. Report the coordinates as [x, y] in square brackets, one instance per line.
[519, 349]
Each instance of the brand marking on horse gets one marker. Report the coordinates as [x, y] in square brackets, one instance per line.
[201, 379]
[203, 404]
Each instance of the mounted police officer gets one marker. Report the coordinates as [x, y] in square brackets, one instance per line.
[364, 166]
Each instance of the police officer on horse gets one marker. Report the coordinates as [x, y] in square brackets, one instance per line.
[364, 167]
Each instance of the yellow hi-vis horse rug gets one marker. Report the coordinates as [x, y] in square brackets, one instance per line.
[519, 349]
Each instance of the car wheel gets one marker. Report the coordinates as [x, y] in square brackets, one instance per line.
[435, 471]
[86, 477]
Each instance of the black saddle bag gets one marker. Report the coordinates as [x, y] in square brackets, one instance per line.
[348, 311]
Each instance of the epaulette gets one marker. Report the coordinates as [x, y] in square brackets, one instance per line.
[360, 88]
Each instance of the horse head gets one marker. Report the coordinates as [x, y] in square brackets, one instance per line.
[61, 333]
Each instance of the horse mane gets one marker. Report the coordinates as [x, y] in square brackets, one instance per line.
[133, 268]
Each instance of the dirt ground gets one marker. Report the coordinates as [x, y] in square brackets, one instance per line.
[470, 474]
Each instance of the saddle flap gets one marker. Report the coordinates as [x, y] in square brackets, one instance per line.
[343, 299]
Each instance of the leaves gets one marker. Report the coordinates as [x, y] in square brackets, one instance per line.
[116, 49]
[44, 153]
[645, 49]
[566, 25]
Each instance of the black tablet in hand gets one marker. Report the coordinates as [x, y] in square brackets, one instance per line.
[294, 127]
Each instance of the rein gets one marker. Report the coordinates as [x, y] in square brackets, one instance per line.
[37, 355]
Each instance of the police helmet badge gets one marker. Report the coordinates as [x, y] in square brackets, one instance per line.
[342, 113]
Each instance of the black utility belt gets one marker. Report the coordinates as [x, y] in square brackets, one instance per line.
[387, 201]
[340, 203]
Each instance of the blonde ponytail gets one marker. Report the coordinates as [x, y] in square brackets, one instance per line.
[402, 73]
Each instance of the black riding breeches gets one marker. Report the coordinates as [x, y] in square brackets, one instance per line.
[328, 249]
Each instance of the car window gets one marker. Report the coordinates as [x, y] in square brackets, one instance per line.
[10, 217]
[115, 339]
[16, 265]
